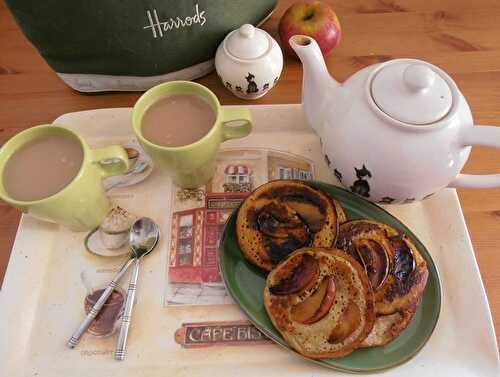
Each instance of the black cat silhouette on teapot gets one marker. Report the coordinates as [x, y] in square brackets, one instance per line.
[361, 185]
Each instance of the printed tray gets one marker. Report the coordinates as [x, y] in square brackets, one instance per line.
[42, 296]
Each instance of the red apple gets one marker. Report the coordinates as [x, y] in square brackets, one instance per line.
[315, 19]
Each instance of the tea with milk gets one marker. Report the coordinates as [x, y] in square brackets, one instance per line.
[42, 167]
[177, 120]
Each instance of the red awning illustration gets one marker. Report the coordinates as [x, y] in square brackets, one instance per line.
[236, 169]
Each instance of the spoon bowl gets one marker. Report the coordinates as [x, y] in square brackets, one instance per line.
[143, 237]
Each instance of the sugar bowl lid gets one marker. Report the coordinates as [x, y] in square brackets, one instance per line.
[412, 91]
[247, 42]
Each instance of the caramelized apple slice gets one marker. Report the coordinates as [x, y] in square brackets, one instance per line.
[348, 322]
[301, 276]
[283, 230]
[317, 305]
[404, 260]
[305, 310]
[308, 212]
[280, 221]
[375, 260]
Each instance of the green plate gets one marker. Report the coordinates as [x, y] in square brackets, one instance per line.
[245, 283]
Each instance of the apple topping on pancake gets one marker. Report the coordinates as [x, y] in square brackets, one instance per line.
[374, 259]
[328, 316]
[281, 221]
[281, 217]
[316, 306]
[304, 273]
[349, 320]
[396, 270]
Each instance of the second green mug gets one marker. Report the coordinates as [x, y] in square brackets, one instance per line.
[191, 165]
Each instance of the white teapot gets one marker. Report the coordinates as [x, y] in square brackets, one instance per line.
[394, 132]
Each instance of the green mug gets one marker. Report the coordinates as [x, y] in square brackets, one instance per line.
[82, 204]
[191, 165]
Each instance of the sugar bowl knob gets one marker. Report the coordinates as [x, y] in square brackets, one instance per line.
[247, 31]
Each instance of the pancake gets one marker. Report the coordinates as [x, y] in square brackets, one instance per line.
[396, 270]
[388, 327]
[321, 301]
[282, 216]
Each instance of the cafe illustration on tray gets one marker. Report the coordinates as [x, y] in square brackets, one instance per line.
[199, 216]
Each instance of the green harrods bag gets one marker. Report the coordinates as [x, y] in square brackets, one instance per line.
[101, 45]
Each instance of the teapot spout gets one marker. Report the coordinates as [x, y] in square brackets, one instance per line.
[317, 84]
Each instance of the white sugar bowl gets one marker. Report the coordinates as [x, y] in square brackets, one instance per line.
[249, 62]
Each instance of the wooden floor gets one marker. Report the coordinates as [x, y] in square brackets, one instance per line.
[461, 36]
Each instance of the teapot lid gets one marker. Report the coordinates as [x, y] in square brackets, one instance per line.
[411, 91]
[247, 42]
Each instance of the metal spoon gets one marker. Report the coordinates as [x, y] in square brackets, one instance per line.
[138, 168]
[143, 237]
[143, 244]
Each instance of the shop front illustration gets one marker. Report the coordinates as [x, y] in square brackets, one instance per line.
[195, 239]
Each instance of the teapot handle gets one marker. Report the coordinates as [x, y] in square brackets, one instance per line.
[479, 135]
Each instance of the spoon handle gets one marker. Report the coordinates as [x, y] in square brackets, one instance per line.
[127, 315]
[122, 180]
[75, 338]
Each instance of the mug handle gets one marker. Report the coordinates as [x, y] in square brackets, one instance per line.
[112, 160]
[233, 114]
[479, 135]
